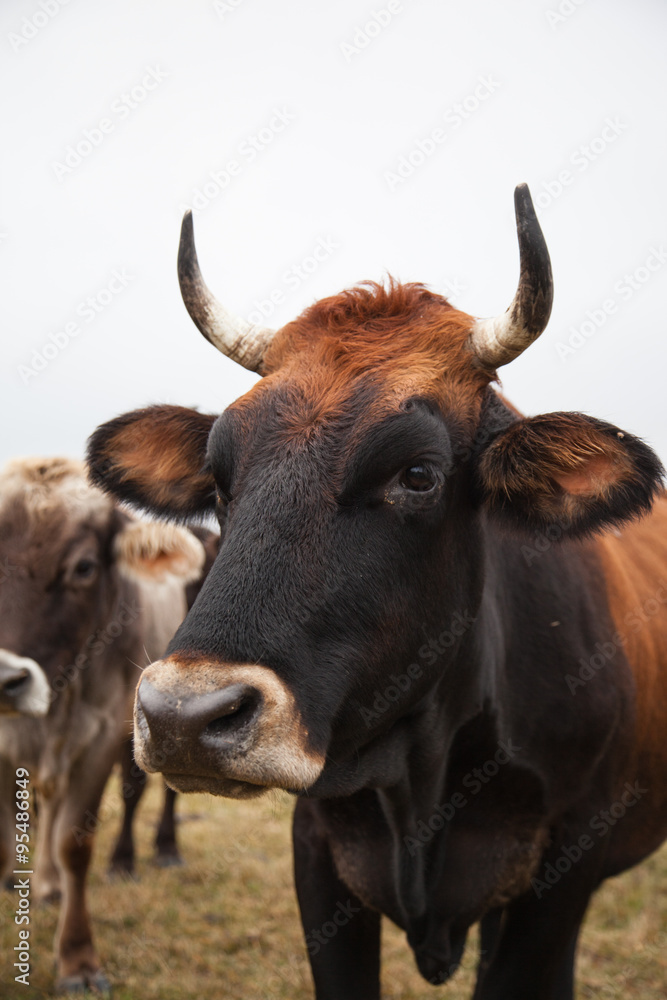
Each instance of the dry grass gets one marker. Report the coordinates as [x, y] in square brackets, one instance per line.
[227, 924]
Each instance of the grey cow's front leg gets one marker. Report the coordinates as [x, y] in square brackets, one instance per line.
[47, 885]
[79, 967]
[342, 935]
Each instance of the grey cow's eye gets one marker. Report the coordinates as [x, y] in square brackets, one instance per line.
[84, 569]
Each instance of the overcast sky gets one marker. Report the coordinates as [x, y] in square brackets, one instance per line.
[387, 136]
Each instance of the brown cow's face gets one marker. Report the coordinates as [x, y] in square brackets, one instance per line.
[353, 486]
[55, 534]
[62, 545]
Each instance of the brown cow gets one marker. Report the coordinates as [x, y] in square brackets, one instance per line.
[88, 595]
[432, 619]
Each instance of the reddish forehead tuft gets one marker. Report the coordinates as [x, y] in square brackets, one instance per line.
[402, 340]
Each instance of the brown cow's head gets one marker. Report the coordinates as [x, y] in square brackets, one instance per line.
[63, 545]
[356, 486]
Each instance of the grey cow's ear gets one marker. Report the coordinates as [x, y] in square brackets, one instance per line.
[150, 551]
[567, 471]
[155, 459]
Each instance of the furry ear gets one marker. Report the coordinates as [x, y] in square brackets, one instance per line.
[567, 470]
[147, 550]
[155, 459]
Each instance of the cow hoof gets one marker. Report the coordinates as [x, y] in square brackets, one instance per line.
[120, 876]
[122, 860]
[121, 870]
[168, 861]
[84, 983]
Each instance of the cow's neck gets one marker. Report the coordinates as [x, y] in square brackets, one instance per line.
[472, 698]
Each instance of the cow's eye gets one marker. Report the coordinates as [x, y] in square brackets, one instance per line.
[418, 479]
[84, 570]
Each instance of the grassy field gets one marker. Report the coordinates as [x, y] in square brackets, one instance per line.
[227, 925]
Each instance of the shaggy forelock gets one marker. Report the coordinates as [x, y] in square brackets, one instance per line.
[43, 486]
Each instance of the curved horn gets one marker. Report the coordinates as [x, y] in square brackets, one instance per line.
[499, 340]
[235, 337]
